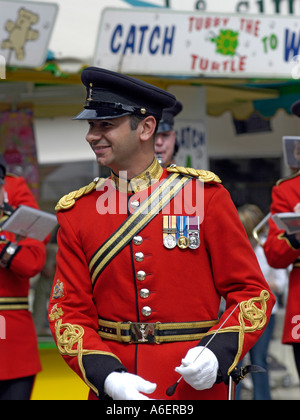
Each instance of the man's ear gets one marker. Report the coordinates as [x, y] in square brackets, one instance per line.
[147, 128]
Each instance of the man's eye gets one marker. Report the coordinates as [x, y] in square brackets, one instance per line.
[105, 124]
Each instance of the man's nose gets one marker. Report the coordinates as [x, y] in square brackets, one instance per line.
[93, 136]
[158, 140]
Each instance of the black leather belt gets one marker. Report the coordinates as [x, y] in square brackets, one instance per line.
[153, 333]
[14, 303]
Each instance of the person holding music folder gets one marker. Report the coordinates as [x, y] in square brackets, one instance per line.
[136, 295]
[19, 261]
[283, 250]
[166, 143]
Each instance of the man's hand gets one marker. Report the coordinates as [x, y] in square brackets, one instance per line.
[125, 386]
[199, 372]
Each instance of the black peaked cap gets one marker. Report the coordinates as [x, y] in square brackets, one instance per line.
[111, 95]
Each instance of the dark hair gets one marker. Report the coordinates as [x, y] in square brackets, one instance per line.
[136, 119]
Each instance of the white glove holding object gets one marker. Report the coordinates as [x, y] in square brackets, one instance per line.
[199, 372]
[125, 386]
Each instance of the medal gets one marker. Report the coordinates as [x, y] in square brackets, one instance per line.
[183, 242]
[169, 231]
[193, 230]
[182, 239]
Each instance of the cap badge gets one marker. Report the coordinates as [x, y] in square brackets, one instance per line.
[90, 98]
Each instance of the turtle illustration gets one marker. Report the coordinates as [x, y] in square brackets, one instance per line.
[226, 41]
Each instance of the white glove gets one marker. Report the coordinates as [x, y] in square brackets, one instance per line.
[200, 373]
[125, 386]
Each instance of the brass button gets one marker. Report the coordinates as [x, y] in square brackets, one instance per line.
[137, 240]
[139, 257]
[146, 311]
[144, 293]
[141, 275]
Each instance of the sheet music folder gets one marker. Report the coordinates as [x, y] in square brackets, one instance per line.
[31, 223]
[290, 222]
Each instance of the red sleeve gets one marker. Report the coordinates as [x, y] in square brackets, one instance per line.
[18, 192]
[29, 259]
[281, 249]
[77, 337]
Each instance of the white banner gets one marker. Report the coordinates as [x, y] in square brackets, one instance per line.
[190, 126]
[25, 30]
[165, 42]
[282, 7]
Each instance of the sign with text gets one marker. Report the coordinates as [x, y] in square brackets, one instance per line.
[165, 42]
[282, 7]
[25, 30]
[190, 126]
[191, 137]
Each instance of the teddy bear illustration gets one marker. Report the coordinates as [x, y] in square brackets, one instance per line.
[20, 32]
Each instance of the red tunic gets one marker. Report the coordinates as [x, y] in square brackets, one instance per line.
[283, 250]
[19, 350]
[180, 285]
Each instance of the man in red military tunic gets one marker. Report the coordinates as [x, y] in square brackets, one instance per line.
[19, 261]
[283, 250]
[144, 258]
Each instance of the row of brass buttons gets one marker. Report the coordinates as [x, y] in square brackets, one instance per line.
[141, 276]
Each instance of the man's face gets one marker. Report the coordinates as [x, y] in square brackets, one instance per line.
[114, 143]
[164, 145]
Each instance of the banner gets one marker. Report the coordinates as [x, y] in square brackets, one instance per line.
[164, 42]
[25, 30]
[17, 144]
[271, 7]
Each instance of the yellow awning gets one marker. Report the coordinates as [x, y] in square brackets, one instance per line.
[222, 95]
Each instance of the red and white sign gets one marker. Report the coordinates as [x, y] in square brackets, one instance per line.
[165, 42]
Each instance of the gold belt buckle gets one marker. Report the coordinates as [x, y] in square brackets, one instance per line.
[142, 332]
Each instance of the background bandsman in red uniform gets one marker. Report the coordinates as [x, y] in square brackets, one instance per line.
[18, 263]
[283, 250]
[136, 297]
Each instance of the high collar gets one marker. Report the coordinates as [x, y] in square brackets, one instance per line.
[141, 182]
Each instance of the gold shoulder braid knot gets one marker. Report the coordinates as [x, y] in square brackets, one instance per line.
[253, 315]
[201, 174]
[69, 343]
[68, 201]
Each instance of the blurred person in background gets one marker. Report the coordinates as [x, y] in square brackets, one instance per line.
[283, 249]
[166, 144]
[251, 215]
[20, 260]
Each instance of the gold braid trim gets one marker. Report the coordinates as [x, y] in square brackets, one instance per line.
[68, 336]
[257, 317]
[282, 236]
[254, 315]
[201, 174]
[69, 200]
